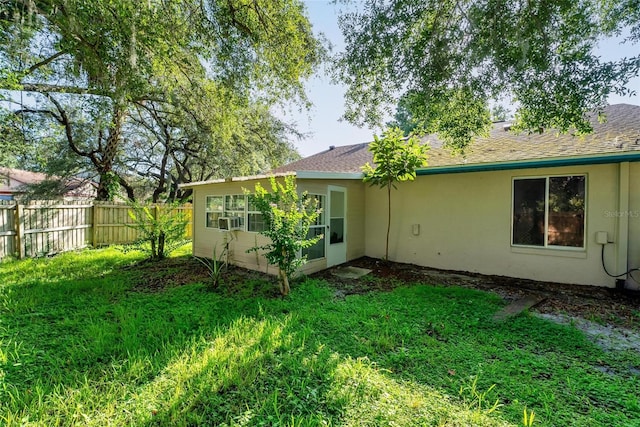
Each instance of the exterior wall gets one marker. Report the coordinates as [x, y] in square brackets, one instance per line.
[465, 224]
[205, 239]
[633, 255]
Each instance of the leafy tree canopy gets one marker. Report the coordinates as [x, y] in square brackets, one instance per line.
[119, 48]
[90, 66]
[448, 60]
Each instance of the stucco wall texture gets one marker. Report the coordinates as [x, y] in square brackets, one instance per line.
[464, 224]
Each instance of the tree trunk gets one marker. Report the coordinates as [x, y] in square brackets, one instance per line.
[127, 187]
[386, 253]
[161, 238]
[103, 188]
[106, 185]
[154, 251]
[284, 284]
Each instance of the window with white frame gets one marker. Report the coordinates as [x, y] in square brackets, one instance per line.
[225, 206]
[316, 229]
[214, 208]
[255, 221]
[234, 206]
[549, 211]
[251, 219]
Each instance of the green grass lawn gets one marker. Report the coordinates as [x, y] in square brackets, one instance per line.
[81, 345]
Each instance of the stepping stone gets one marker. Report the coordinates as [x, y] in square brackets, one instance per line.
[518, 306]
[350, 272]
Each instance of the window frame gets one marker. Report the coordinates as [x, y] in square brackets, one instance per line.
[247, 211]
[546, 245]
[252, 212]
[233, 212]
[207, 211]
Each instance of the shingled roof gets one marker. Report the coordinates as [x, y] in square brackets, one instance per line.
[620, 133]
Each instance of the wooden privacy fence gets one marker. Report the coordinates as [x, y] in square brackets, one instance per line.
[42, 228]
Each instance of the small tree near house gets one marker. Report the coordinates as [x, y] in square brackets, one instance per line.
[287, 217]
[396, 158]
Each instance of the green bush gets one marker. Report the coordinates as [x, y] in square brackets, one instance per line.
[287, 218]
[161, 229]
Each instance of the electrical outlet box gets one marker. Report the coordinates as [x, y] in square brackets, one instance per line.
[602, 238]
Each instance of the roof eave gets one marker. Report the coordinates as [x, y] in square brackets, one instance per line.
[235, 179]
[297, 174]
[328, 175]
[532, 163]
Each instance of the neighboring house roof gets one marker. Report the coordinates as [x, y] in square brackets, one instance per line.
[618, 135]
[14, 181]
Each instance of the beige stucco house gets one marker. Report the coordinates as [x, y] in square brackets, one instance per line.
[540, 206]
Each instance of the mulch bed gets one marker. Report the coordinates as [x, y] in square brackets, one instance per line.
[156, 276]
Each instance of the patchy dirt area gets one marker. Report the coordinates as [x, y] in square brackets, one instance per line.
[597, 305]
[155, 276]
[607, 337]
[173, 272]
[608, 317]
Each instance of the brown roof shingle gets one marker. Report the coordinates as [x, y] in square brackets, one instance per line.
[619, 134]
[15, 181]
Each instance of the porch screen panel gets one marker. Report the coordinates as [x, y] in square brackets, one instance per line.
[255, 221]
[214, 207]
[336, 223]
[317, 250]
[234, 206]
[317, 229]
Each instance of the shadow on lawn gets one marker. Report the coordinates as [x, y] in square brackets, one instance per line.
[65, 335]
[89, 350]
[185, 355]
[249, 374]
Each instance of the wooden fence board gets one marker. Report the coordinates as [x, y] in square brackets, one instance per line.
[7, 231]
[43, 228]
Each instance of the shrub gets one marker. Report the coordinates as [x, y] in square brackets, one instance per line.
[287, 218]
[161, 229]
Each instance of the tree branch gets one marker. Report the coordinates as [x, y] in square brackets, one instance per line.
[68, 131]
[128, 188]
[45, 88]
[38, 111]
[45, 62]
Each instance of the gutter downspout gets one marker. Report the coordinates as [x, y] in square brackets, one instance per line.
[622, 229]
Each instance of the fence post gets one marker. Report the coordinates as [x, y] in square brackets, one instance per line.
[19, 231]
[94, 224]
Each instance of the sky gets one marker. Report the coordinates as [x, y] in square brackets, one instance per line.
[322, 123]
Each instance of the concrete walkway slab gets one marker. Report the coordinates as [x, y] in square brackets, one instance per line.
[350, 272]
[518, 306]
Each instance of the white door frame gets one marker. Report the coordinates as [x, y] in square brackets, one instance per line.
[336, 252]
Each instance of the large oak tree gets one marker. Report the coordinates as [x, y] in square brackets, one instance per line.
[91, 65]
